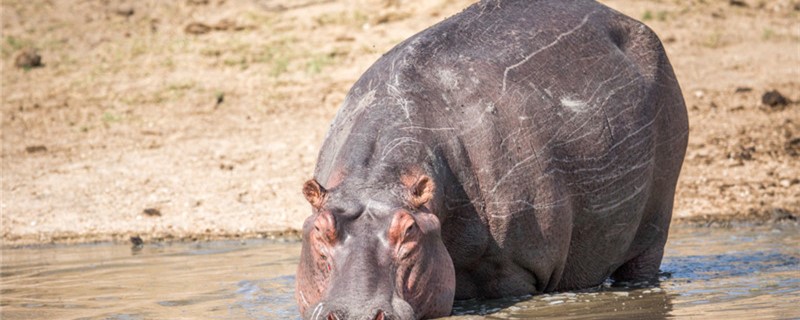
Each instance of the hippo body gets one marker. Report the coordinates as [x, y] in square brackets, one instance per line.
[541, 139]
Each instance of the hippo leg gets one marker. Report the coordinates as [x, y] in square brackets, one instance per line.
[653, 231]
[642, 268]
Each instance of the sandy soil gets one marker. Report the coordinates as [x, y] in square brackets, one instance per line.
[201, 119]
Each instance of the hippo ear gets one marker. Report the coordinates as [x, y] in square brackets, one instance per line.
[422, 191]
[315, 193]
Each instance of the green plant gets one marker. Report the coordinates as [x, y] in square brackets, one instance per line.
[660, 15]
[713, 40]
[647, 16]
[12, 45]
[353, 18]
[768, 34]
[279, 66]
[109, 117]
[315, 65]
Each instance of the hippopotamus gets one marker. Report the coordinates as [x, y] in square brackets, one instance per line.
[519, 147]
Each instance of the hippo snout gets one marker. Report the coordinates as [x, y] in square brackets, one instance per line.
[341, 315]
[358, 310]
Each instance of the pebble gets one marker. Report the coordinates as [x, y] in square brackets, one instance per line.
[151, 212]
[197, 28]
[28, 58]
[774, 98]
[125, 11]
[699, 93]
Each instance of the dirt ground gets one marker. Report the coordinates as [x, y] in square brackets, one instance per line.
[201, 119]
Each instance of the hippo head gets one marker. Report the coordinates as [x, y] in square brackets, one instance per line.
[374, 254]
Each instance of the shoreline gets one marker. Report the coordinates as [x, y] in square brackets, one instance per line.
[10, 242]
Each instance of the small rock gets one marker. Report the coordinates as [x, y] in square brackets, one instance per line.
[793, 147]
[197, 2]
[743, 89]
[744, 153]
[774, 99]
[151, 212]
[28, 58]
[780, 214]
[197, 28]
[738, 3]
[786, 183]
[225, 25]
[35, 149]
[124, 11]
[345, 38]
[620, 293]
[137, 241]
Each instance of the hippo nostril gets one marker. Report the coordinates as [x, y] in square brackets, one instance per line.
[379, 316]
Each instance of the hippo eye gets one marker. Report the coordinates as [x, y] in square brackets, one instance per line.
[410, 230]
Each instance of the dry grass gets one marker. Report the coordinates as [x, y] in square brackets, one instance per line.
[219, 130]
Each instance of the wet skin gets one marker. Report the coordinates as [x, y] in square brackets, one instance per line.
[518, 147]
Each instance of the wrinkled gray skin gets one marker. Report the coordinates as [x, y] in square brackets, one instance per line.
[554, 132]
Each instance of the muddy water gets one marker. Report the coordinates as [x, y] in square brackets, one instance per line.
[709, 274]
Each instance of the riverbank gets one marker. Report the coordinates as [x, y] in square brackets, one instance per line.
[200, 120]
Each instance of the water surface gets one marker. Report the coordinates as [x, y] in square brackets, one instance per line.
[744, 273]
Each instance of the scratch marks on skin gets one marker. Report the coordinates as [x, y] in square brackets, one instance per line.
[387, 150]
[393, 89]
[528, 206]
[642, 128]
[317, 311]
[365, 101]
[302, 296]
[534, 155]
[616, 204]
[428, 129]
[574, 105]
[611, 93]
[374, 208]
[533, 54]
[448, 78]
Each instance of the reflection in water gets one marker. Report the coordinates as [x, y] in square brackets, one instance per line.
[598, 303]
[267, 299]
[715, 273]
